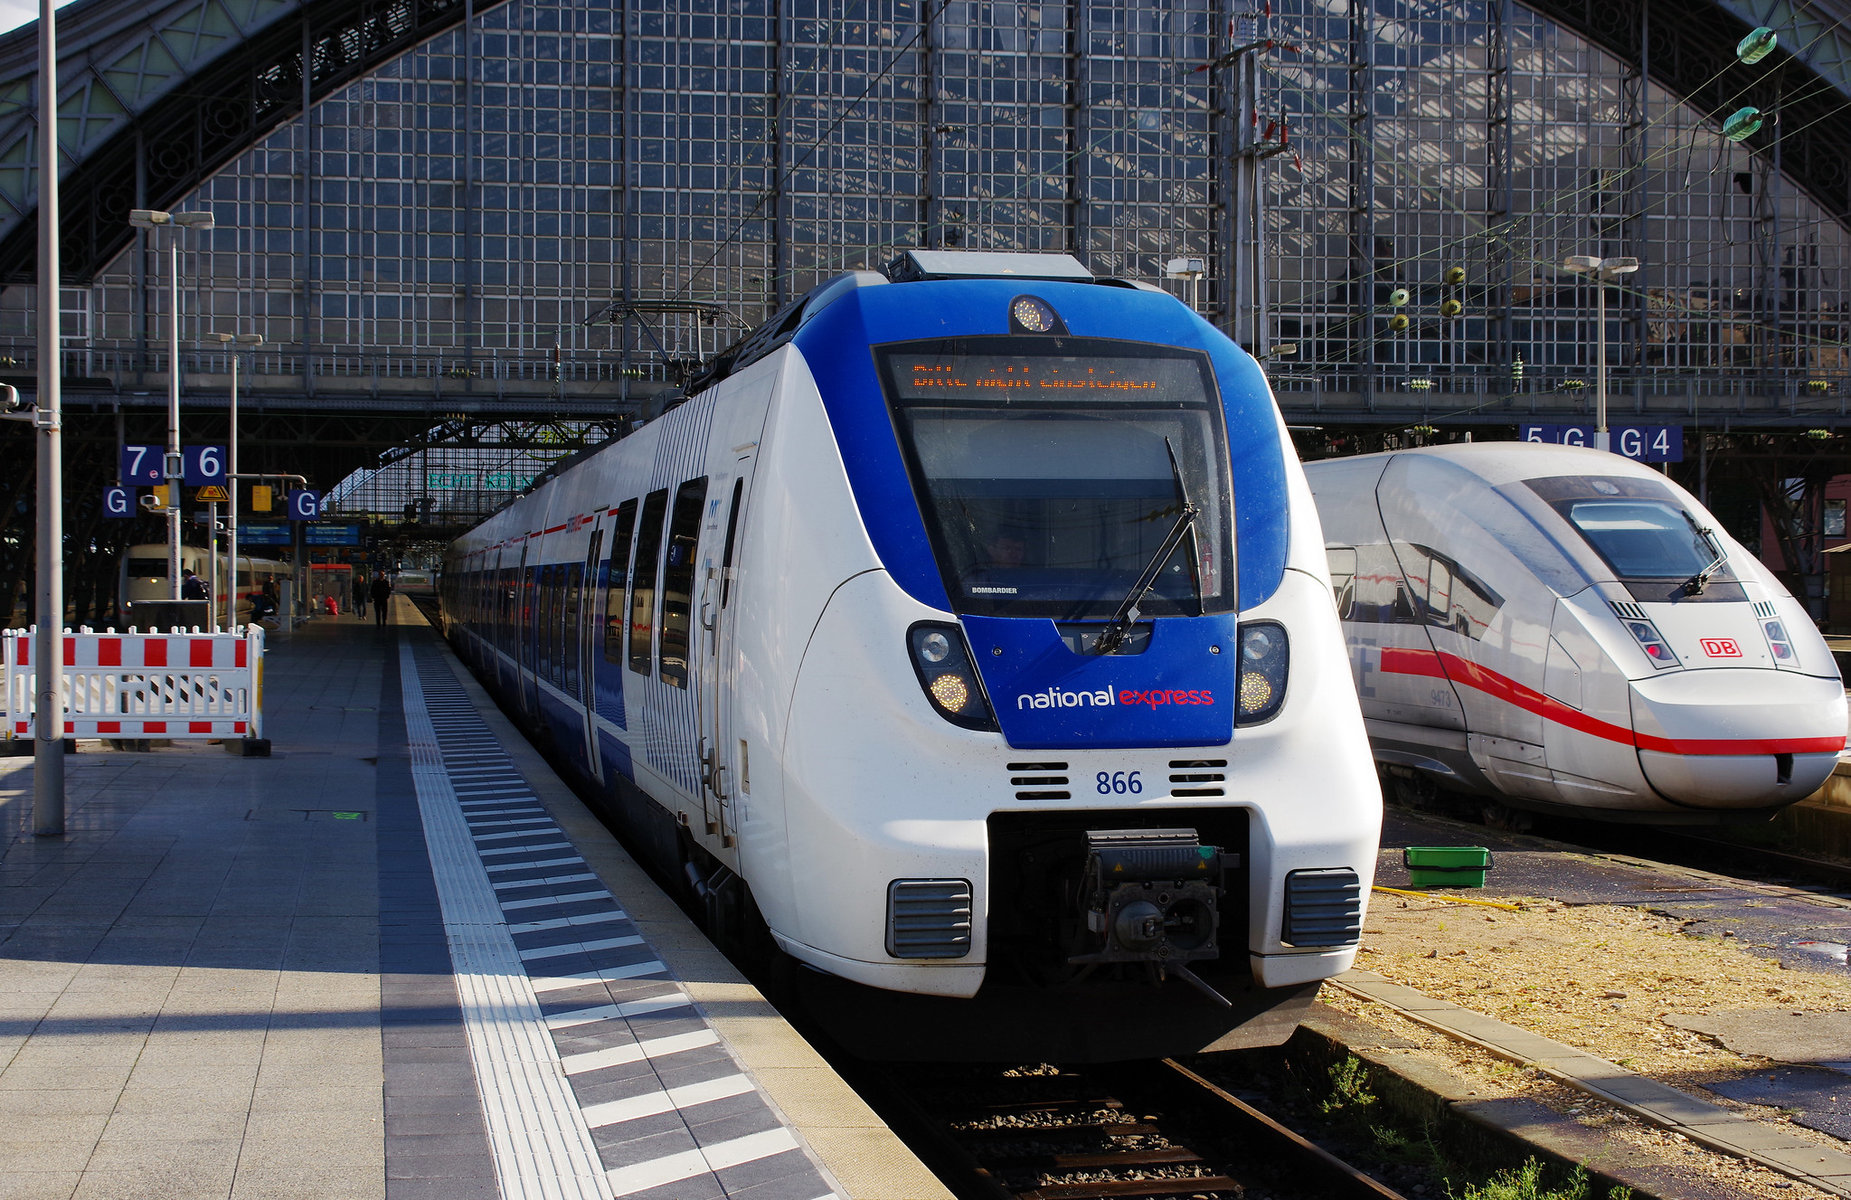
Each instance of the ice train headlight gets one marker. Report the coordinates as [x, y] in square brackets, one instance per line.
[1779, 644]
[1264, 654]
[942, 662]
[1646, 634]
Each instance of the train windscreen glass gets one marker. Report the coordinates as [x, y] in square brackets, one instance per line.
[1050, 472]
[1642, 539]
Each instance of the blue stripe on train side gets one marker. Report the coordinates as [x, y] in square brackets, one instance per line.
[835, 342]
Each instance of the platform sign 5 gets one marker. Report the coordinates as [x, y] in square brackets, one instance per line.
[205, 465]
[142, 464]
[1641, 443]
[118, 502]
[305, 505]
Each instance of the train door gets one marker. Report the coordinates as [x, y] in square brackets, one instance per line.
[722, 765]
[590, 627]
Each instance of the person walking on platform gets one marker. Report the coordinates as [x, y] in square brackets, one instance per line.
[359, 596]
[381, 591]
[192, 587]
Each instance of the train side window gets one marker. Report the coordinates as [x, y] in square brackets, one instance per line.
[588, 599]
[644, 580]
[619, 581]
[530, 616]
[568, 625]
[543, 627]
[732, 529]
[684, 534]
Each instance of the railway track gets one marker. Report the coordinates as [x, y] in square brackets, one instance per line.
[1149, 1131]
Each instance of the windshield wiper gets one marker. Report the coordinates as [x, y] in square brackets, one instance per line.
[1120, 624]
[1695, 584]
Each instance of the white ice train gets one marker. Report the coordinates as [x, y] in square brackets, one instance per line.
[1571, 631]
[967, 632]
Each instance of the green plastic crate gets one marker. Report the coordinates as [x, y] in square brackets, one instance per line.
[1446, 866]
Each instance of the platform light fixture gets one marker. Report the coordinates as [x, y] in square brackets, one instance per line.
[1604, 271]
[153, 218]
[1192, 270]
[235, 342]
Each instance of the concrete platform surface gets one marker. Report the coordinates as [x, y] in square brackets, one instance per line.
[396, 959]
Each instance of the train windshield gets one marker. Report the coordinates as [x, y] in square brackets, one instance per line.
[1044, 470]
[1642, 539]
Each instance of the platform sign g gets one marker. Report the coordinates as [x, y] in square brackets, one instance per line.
[118, 502]
[304, 505]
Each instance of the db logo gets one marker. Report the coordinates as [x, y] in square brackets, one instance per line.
[1721, 648]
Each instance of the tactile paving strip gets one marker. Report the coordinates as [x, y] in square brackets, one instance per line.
[599, 1076]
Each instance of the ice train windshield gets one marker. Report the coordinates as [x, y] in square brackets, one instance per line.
[1042, 467]
[1637, 527]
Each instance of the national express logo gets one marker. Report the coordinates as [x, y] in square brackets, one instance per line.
[1111, 697]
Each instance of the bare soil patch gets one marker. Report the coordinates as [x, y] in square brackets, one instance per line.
[1600, 978]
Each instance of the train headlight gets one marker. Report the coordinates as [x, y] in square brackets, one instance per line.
[943, 664]
[1778, 643]
[1032, 314]
[1646, 634]
[1264, 654]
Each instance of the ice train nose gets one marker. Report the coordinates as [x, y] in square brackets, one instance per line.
[1738, 738]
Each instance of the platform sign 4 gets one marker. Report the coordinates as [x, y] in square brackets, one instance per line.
[142, 464]
[305, 505]
[205, 465]
[1641, 443]
[118, 502]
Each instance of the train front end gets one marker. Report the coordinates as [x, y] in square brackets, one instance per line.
[1081, 759]
[1734, 701]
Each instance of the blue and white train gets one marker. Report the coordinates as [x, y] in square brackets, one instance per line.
[966, 630]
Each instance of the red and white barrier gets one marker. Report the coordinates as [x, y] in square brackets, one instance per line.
[145, 685]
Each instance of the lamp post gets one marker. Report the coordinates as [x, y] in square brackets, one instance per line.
[231, 471]
[1191, 269]
[1604, 271]
[150, 218]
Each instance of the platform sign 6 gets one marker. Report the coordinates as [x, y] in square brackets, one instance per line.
[305, 505]
[1641, 443]
[142, 464]
[118, 502]
[205, 465]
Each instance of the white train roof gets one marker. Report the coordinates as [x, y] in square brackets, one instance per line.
[1499, 463]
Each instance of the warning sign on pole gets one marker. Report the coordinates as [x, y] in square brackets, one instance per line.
[210, 495]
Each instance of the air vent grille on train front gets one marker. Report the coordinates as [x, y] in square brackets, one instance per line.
[928, 918]
[1198, 776]
[1039, 780]
[1627, 611]
[1764, 609]
[1323, 908]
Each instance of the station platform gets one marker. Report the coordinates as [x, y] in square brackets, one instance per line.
[398, 959]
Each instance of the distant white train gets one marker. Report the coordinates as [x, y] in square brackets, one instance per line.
[144, 574]
[1571, 631]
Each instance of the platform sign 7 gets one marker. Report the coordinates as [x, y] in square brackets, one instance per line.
[142, 464]
[205, 466]
[305, 505]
